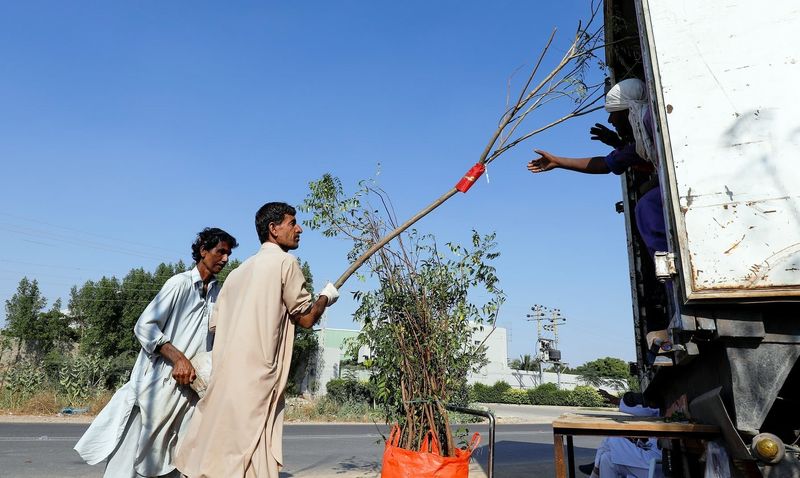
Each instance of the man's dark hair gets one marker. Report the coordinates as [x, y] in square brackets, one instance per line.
[208, 239]
[269, 213]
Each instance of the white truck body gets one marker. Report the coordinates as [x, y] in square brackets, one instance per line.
[726, 80]
[723, 78]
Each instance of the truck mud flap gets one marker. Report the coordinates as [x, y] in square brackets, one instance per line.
[708, 408]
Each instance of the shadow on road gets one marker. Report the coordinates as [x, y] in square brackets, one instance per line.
[513, 457]
[357, 464]
[352, 466]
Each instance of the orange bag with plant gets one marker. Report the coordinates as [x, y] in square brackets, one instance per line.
[428, 461]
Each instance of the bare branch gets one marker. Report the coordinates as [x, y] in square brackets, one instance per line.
[550, 88]
[543, 128]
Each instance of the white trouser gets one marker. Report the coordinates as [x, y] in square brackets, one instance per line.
[608, 469]
[121, 462]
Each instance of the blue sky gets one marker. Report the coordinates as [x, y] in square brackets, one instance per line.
[129, 126]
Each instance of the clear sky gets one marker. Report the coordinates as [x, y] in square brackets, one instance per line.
[127, 127]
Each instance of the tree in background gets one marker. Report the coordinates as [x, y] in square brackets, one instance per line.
[40, 332]
[229, 267]
[137, 289]
[525, 362]
[23, 309]
[605, 371]
[98, 326]
[106, 310]
[56, 337]
[560, 368]
[97, 310]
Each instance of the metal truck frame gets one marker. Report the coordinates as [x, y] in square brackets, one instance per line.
[722, 79]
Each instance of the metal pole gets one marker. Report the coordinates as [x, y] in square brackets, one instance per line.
[538, 316]
[539, 346]
[490, 416]
[559, 376]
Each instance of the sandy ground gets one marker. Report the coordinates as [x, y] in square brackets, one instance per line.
[56, 418]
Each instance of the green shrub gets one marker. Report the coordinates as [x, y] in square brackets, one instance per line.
[548, 394]
[343, 390]
[22, 381]
[489, 394]
[501, 386]
[545, 394]
[515, 396]
[586, 396]
[478, 392]
[461, 396]
[83, 376]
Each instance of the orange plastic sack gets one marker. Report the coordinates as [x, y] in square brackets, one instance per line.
[428, 462]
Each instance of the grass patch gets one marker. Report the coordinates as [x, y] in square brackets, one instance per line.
[463, 418]
[326, 410]
[44, 402]
[323, 409]
[48, 401]
[99, 401]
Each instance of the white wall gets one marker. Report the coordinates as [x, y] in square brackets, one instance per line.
[524, 379]
[327, 369]
[495, 370]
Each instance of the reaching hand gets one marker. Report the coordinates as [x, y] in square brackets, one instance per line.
[183, 371]
[606, 136]
[545, 162]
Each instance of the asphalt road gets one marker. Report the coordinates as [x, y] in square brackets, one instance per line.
[39, 450]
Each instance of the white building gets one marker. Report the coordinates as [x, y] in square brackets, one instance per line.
[333, 350]
[496, 343]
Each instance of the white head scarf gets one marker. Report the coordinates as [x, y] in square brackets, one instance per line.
[631, 95]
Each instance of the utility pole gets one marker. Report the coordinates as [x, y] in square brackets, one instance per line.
[538, 315]
[547, 348]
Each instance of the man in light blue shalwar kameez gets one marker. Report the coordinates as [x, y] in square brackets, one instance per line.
[139, 428]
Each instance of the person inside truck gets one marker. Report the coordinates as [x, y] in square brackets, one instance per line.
[629, 114]
[621, 457]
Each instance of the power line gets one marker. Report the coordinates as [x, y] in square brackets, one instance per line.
[117, 288]
[61, 239]
[39, 274]
[52, 266]
[124, 301]
[95, 282]
[116, 240]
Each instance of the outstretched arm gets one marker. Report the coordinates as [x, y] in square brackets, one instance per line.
[547, 161]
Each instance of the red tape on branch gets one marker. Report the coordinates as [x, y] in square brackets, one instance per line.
[469, 179]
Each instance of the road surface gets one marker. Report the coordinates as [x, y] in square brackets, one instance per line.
[39, 450]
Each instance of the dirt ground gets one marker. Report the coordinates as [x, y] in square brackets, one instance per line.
[55, 418]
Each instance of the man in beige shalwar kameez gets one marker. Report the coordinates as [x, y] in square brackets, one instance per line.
[237, 428]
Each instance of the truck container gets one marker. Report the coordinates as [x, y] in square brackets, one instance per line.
[722, 78]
